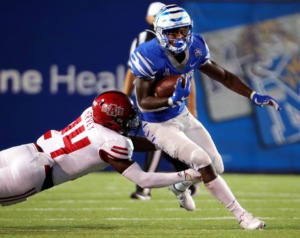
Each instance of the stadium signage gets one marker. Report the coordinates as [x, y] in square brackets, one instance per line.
[70, 82]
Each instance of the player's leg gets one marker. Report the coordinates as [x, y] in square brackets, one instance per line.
[198, 134]
[215, 183]
[20, 176]
[191, 153]
[163, 136]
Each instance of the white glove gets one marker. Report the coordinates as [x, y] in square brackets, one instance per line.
[191, 175]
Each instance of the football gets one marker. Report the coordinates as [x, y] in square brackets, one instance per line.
[166, 86]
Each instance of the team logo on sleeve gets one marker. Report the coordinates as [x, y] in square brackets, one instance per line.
[112, 109]
[198, 53]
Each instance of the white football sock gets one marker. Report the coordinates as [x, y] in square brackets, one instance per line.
[182, 186]
[220, 190]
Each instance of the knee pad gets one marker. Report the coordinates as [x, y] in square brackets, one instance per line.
[197, 158]
[218, 163]
[194, 156]
[200, 159]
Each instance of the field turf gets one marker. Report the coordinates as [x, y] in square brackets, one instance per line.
[98, 205]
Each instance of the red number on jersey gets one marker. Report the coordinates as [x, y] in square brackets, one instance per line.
[69, 146]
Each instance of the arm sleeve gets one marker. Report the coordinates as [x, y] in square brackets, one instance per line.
[151, 180]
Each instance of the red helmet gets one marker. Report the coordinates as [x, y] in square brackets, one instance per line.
[116, 111]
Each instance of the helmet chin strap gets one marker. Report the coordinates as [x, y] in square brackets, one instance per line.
[179, 43]
[151, 31]
[178, 46]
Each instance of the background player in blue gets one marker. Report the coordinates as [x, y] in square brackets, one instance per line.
[168, 123]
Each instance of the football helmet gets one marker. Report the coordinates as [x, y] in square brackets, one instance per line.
[116, 111]
[171, 17]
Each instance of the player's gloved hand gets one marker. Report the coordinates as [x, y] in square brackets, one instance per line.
[191, 175]
[261, 100]
[180, 93]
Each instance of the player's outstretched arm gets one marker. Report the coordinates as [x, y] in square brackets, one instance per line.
[234, 83]
[132, 171]
[228, 79]
[156, 180]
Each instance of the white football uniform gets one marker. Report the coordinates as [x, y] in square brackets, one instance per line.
[68, 154]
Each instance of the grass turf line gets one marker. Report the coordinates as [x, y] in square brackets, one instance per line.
[98, 205]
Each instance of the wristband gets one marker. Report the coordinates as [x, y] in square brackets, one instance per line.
[252, 94]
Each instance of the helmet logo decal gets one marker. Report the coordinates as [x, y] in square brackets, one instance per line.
[112, 109]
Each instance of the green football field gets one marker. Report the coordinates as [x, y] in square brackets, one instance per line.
[98, 205]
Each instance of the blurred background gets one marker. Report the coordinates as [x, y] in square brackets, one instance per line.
[56, 56]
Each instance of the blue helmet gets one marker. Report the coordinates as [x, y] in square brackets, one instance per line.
[171, 17]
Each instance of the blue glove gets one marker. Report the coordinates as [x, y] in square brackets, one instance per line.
[180, 93]
[261, 100]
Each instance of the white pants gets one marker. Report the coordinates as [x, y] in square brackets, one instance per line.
[185, 138]
[22, 173]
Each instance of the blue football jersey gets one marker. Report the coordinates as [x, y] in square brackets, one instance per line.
[149, 61]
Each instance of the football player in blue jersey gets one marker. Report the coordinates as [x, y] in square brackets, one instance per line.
[166, 120]
[152, 159]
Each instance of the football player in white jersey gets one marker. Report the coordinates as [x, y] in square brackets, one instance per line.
[167, 122]
[95, 140]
